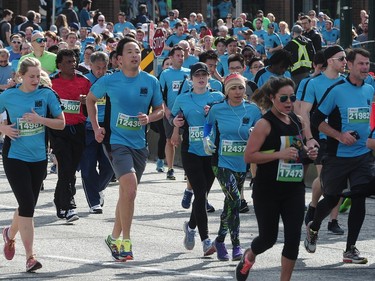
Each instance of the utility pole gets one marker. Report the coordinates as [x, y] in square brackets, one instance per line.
[346, 23]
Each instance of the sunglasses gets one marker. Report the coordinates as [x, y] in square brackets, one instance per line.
[40, 40]
[285, 98]
[17, 42]
[340, 58]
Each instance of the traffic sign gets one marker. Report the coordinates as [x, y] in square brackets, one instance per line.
[158, 42]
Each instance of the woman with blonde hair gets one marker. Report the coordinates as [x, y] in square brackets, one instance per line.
[31, 108]
[284, 33]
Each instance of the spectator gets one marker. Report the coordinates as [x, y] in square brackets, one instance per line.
[122, 23]
[260, 16]
[6, 73]
[47, 59]
[61, 22]
[30, 22]
[84, 15]
[284, 33]
[143, 16]
[100, 26]
[310, 33]
[70, 13]
[6, 28]
[15, 51]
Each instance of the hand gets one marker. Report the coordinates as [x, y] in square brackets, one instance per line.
[312, 153]
[311, 143]
[290, 153]
[143, 118]
[209, 146]
[346, 138]
[10, 131]
[175, 139]
[32, 117]
[99, 134]
[206, 109]
[82, 99]
[179, 121]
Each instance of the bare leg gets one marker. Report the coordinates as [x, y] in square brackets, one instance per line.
[26, 229]
[287, 267]
[169, 153]
[125, 204]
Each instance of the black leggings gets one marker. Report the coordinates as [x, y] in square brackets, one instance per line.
[269, 207]
[201, 177]
[356, 216]
[158, 127]
[25, 179]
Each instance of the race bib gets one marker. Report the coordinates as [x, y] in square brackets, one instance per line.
[71, 106]
[27, 129]
[176, 86]
[358, 115]
[233, 147]
[101, 101]
[290, 172]
[127, 122]
[195, 133]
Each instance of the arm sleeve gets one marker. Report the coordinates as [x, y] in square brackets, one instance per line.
[317, 118]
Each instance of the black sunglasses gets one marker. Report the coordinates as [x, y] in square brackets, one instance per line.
[285, 98]
[40, 40]
[340, 58]
[17, 42]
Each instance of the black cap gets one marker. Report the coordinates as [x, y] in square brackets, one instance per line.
[199, 66]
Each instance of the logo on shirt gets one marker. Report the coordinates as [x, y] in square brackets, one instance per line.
[38, 103]
[143, 92]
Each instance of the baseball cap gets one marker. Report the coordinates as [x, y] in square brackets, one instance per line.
[321, 14]
[199, 66]
[193, 14]
[270, 25]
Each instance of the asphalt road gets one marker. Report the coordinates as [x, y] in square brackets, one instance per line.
[78, 252]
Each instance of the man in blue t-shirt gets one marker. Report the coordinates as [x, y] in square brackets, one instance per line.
[84, 15]
[344, 117]
[122, 24]
[171, 80]
[96, 170]
[129, 94]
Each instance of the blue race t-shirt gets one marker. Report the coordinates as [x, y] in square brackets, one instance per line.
[128, 96]
[348, 108]
[170, 81]
[232, 124]
[192, 105]
[31, 145]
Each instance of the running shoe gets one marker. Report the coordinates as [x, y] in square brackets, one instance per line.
[160, 165]
[97, 209]
[208, 247]
[210, 208]
[353, 256]
[244, 208]
[346, 204]
[114, 247]
[60, 213]
[71, 215]
[126, 252]
[9, 245]
[243, 268]
[53, 169]
[170, 175]
[309, 214]
[237, 253]
[186, 200]
[334, 228]
[32, 264]
[311, 238]
[189, 239]
[101, 200]
[221, 251]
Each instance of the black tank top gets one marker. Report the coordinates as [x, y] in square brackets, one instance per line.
[281, 136]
